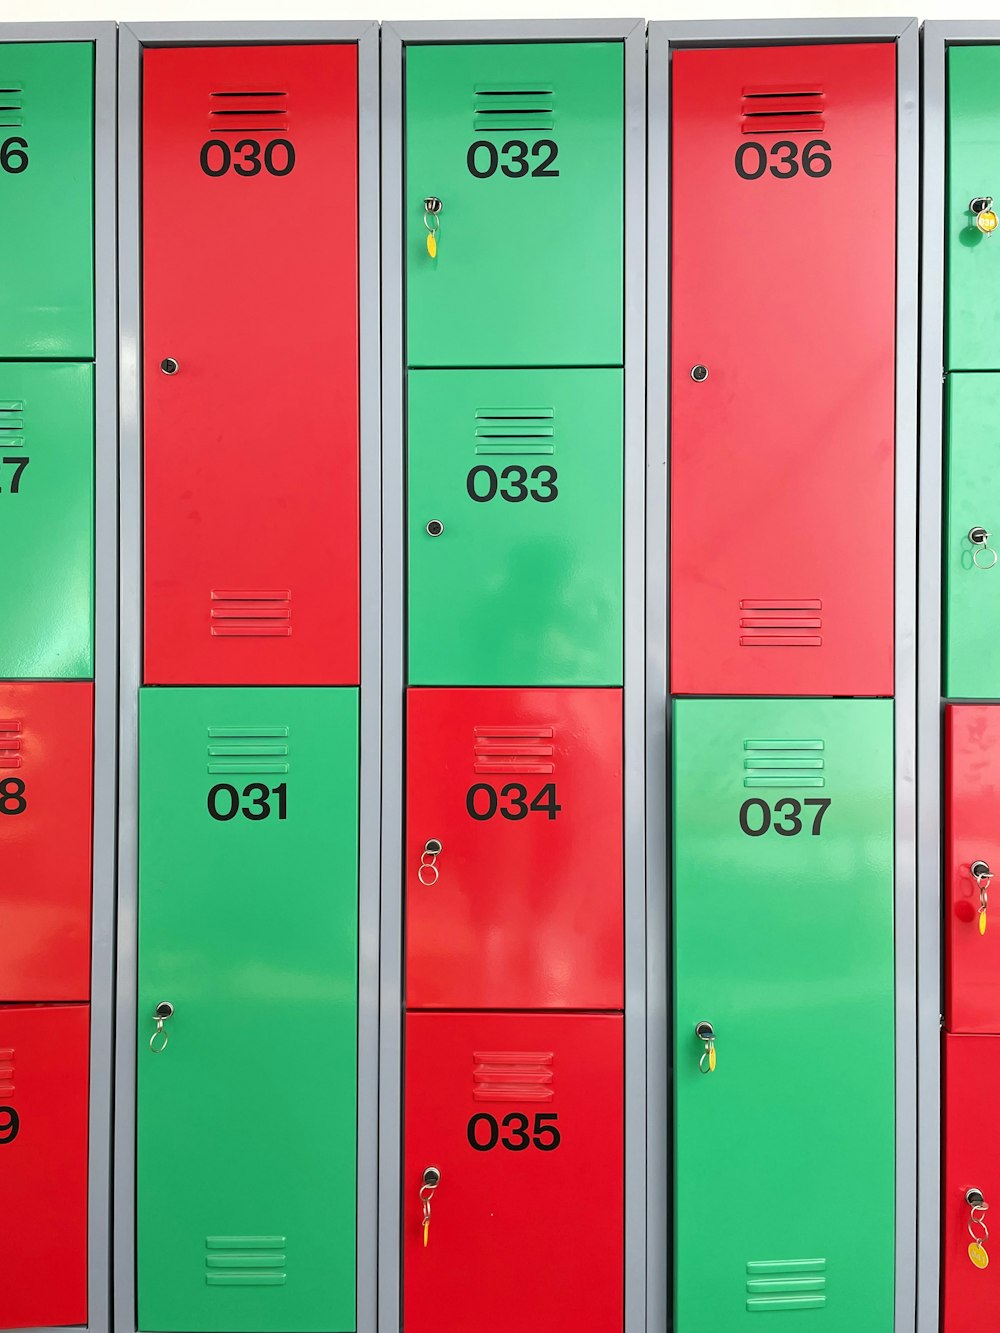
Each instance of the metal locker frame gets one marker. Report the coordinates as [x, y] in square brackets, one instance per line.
[134, 37]
[664, 37]
[104, 37]
[395, 37]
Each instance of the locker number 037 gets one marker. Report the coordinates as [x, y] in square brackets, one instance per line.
[784, 817]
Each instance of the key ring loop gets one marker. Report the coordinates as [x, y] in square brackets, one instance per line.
[436, 221]
[984, 550]
[431, 869]
[160, 1032]
[703, 1063]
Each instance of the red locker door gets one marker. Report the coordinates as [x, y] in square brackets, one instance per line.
[522, 1116]
[970, 1292]
[250, 286]
[522, 908]
[972, 854]
[46, 785]
[43, 1164]
[783, 282]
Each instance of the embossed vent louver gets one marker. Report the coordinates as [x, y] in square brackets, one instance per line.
[251, 612]
[784, 763]
[11, 108]
[245, 1261]
[10, 744]
[515, 430]
[6, 1070]
[504, 1076]
[248, 750]
[780, 109]
[247, 112]
[514, 749]
[775, 1285]
[781, 622]
[513, 106]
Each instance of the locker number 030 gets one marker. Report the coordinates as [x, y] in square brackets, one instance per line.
[751, 159]
[217, 158]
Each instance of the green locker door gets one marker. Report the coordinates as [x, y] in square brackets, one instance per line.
[248, 904]
[523, 145]
[783, 940]
[47, 200]
[523, 470]
[972, 500]
[47, 511]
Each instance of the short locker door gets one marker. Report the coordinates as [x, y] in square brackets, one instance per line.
[523, 145]
[515, 527]
[522, 1116]
[250, 288]
[972, 288]
[783, 920]
[44, 1056]
[47, 509]
[248, 927]
[783, 282]
[522, 906]
[970, 1290]
[47, 200]
[46, 783]
[972, 583]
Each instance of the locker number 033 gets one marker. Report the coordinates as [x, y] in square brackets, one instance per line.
[752, 159]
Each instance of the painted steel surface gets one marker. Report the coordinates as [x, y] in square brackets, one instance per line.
[250, 217]
[246, 1136]
[782, 369]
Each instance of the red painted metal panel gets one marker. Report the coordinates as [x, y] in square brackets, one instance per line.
[520, 1236]
[970, 1293]
[46, 803]
[524, 904]
[783, 287]
[250, 285]
[972, 835]
[43, 1163]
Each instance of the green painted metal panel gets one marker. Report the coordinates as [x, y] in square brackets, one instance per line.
[529, 267]
[47, 514]
[524, 588]
[47, 199]
[972, 500]
[246, 1135]
[783, 941]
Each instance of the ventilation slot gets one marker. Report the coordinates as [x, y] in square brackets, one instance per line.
[245, 1261]
[247, 112]
[11, 108]
[248, 750]
[513, 106]
[12, 425]
[784, 763]
[6, 1070]
[780, 622]
[10, 745]
[785, 1284]
[515, 430]
[779, 110]
[251, 613]
[514, 749]
[508, 1076]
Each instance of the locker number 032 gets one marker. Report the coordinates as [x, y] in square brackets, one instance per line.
[752, 159]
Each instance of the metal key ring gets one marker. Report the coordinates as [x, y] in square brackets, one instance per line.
[980, 550]
[160, 1032]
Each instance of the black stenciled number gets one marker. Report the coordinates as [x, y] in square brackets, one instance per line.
[790, 159]
[810, 157]
[473, 159]
[756, 816]
[483, 802]
[249, 164]
[483, 484]
[516, 1121]
[14, 156]
[18, 464]
[10, 1123]
[224, 155]
[483, 158]
[472, 1131]
[517, 152]
[216, 158]
[751, 159]
[751, 172]
[12, 798]
[224, 801]
[553, 153]
[543, 1136]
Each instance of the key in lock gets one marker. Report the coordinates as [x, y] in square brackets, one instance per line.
[431, 1179]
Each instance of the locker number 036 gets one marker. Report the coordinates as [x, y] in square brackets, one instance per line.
[752, 159]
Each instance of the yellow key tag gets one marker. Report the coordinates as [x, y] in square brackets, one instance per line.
[711, 1060]
[427, 1227]
[982, 923]
[432, 249]
[978, 1255]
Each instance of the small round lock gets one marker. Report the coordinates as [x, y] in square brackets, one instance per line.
[432, 205]
[705, 1032]
[432, 1177]
[978, 536]
[435, 528]
[699, 374]
[979, 869]
[980, 204]
[432, 847]
[164, 1009]
[974, 1198]
[169, 366]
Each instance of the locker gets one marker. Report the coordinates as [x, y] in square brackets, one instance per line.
[521, 1114]
[969, 1290]
[972, 856]
[47, 200]
[971, 621]
[515, 527]
[248, 903]
[972, 285]
[782, 369]
[521, 905]
[250, 364]
[44, 1052]
[46, 787]
[783, 947]
[47, 509]
[522, 144]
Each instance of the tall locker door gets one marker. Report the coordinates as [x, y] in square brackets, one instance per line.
[46, 754]
[970, 1289]
[521, 1116]
[43, 1163]
[47, 200]
[522, 144]
[782, 369]
[783, 944]
[250, 364]
[520, 906]
[515, 526]
[248, 905]
[47, 510]
[972, 288]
